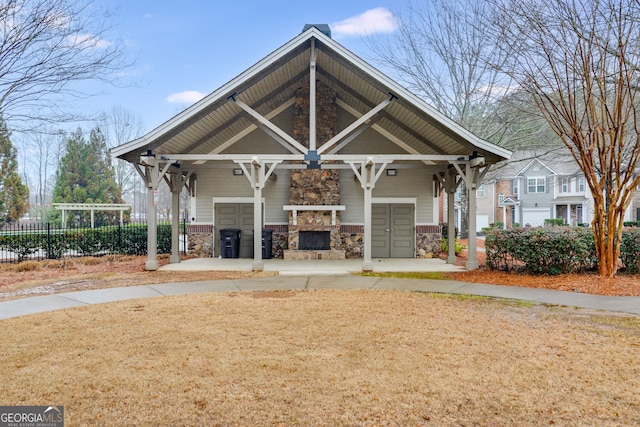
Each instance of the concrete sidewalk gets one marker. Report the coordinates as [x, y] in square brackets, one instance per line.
[25, 306]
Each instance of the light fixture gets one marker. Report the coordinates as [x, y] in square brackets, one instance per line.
[238, 172]
[392, 172]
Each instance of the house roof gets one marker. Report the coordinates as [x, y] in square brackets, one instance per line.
[269, 86]
[557, 159]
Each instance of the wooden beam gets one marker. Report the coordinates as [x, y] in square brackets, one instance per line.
[361, 121]
[276, 132]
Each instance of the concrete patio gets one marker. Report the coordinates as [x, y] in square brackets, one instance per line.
[314, 267]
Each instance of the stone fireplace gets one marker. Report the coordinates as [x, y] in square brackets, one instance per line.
[314, 195]
[314, 240]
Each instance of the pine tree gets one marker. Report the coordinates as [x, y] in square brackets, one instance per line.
[86, 175]
[14, 195]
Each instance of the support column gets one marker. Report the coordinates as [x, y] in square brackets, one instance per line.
[257, 175]
[93, 222]
[258, 263]
[367, 264]
[152, 224]
[451, 186]
[367, 175]
[175, 219]
[472, 262]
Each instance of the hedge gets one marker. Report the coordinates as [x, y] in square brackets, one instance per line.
[128, 240]
[555, 250]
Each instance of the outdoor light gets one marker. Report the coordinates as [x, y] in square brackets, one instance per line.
[392, 172]
[238, 172]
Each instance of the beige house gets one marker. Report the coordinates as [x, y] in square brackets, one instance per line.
[319, 150]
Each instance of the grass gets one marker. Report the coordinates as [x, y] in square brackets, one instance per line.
[329, 357]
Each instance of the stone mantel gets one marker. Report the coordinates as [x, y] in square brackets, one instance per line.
[317, 208]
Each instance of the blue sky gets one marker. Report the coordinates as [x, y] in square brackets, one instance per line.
[187, 49]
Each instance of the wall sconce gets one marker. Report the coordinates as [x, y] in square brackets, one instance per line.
[238, 172]
[392, 172]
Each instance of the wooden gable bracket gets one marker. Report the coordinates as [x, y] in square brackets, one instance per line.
[366, 171]
[270, 129]
[259, 172]
[356, 128]
[152, 174]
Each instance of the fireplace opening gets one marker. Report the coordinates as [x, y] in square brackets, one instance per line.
[314, 240]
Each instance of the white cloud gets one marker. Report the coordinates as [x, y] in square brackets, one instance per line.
[186, 97]
[87, 41]
[378, 20]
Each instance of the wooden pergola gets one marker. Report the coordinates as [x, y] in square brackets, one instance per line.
[70, 207]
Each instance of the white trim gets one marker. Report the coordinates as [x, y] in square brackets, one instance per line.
[543, 178]
[313, 207]
[295, 208]
[395, 200]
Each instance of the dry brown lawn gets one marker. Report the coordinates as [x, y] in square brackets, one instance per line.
[357, 358]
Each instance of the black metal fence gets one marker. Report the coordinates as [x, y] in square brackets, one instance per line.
[19, 242]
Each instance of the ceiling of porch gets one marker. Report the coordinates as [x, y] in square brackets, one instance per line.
[214, 123]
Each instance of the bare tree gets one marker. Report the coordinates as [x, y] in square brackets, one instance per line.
[47, 47]
[40, 162]
[120, 126]
[578, 59]
[440, 52]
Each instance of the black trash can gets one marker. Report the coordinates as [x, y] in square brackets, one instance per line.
[267, 245]
[230, 243]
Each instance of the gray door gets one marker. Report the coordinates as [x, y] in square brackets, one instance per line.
[238, 216]
[392, 231]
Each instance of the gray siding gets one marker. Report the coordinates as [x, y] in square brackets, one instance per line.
[416, 183]
[532, 200]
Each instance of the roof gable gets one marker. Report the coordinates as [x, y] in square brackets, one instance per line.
[536, 163]
[267, 87]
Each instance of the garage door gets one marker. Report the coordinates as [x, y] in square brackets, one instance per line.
[482, 221]
[535, 217]
[238, 216]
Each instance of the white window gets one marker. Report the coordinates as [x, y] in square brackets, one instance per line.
[481, 191]
[536, 185]
[514, 186]
[564, 185]
[581, 184]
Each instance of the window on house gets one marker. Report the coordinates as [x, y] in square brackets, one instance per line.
[564, 185]
[581, 184]
[536, 185]
[481, 191]
[500, 198]
[514, 186]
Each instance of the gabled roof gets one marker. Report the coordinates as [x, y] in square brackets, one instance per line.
[531, 163]
[270, 85]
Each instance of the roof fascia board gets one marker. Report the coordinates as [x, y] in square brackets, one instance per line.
[221, 93]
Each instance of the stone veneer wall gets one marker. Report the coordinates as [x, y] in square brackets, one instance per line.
[315, 186]
[200, 238]
[428, 241]
[352, 240]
